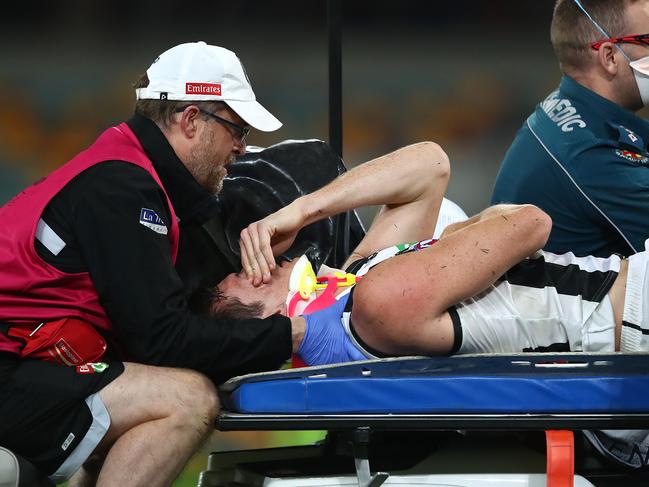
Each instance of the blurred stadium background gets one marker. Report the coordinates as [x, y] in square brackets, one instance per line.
[464, 73]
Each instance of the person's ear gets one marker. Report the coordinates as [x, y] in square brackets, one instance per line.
[188, 121]
[609, 58]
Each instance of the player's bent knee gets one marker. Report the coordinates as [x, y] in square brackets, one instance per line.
[438, 154]
[540, 223]
[433, 154]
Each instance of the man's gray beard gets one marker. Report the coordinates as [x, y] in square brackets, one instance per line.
[219, 184]
[205, 174]
[219, 187]
[208, 177]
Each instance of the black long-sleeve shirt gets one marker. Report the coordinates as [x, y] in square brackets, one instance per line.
[97, 215]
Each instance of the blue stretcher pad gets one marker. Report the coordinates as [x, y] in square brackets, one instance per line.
[590, 386]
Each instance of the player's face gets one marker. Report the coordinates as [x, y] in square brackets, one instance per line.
[271, 295]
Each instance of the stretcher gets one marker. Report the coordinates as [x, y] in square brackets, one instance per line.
[398, 421]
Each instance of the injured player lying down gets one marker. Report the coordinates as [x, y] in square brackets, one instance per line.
[484, 286]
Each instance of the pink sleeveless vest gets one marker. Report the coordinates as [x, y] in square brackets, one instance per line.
[32, 291]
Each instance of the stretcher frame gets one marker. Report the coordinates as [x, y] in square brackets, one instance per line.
[575, 363]
[633, 370]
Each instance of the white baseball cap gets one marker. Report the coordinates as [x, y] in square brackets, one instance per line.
[196, 71]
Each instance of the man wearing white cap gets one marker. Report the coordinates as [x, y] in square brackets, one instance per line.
[88, 280]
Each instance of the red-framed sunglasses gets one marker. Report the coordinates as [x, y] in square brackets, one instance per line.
[638, 39]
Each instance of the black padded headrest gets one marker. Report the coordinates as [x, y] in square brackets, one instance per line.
[264, 181]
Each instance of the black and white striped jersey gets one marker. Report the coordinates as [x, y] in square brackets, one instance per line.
[547, 302]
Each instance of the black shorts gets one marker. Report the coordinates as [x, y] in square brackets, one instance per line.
[50, 414]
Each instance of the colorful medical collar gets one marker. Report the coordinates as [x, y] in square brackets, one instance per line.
[303, 285]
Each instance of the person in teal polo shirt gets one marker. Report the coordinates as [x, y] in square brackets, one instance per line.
[582, 155]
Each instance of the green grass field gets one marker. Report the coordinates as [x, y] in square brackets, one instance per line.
[242, 441]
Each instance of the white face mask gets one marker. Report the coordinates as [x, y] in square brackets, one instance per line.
[641, 73]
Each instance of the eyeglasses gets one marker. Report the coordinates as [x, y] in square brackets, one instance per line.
[240, 133]
[638, 39]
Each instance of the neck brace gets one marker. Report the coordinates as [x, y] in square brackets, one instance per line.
[303, 284]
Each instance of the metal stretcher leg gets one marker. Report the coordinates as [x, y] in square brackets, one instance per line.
[560, 458]
[362, 462]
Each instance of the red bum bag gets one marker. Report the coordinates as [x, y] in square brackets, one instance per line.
[68, 341]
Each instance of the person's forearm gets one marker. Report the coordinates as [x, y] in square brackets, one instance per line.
[415, 175]
[501, 237]
[402, 176]
[489, 212]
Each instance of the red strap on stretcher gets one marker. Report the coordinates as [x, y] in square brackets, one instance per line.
[560, 458]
